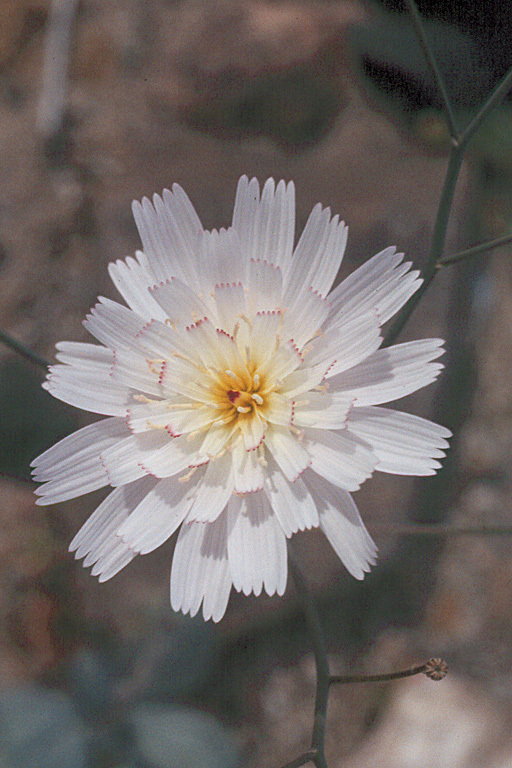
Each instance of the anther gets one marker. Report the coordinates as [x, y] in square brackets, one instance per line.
[257, 398]
[243, 409]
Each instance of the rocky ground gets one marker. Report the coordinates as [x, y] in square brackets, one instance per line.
[199, 92]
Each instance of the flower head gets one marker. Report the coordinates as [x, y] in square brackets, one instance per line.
[243, 398]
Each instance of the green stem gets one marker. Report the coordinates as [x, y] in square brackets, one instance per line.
[432, 63]
[417, 670]
[494, 100]
[307, 757]
[443, 530]
[322, 667]
[475, 250]
[436, 248]
[21, 349]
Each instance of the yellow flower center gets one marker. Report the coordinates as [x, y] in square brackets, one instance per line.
[240, 395]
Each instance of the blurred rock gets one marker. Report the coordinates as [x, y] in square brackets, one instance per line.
[38, 603]
[172, 661]
[90, 680]
[40, 729]
[447, 724]
[174, 738]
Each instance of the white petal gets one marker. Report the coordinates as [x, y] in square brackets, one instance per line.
[97, 540]
[287, 451]
[136, 373]
[217, 437]
[276, 358]
[153, 452]
[213, 347]
[157, 516]
[279, 409]
[133, 278]
[389, 374]
[341, 458]
[200, 571]
[346, 344]
[221, 259]
[403, 444]
[252, 430]
[266, 227]
[73, 467]
[180, 305]
[169, 232]
[212, 493]
[305, 316]
[318, 254]
[176, 416]
[247, 469]
[85, 380]
[264, 287]
[158, 341]
[322, 410]
[81, 355]
[342, 524]
[230, 305]
[178, 454]
[292, 503]
[112, 324]
[256, 546]
[305, 379]
[379, 284]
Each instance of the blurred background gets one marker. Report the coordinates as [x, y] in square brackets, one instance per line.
[103, 101]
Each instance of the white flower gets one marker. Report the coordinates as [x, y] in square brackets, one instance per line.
[242, 395]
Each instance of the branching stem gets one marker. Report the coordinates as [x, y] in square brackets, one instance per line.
[317, 752]
[475, 250]
[21, 349]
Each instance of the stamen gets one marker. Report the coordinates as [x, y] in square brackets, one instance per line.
[146, 400]
[186, 478]
[230, 374]
[243, 409]
[257, 398]
[256, 380]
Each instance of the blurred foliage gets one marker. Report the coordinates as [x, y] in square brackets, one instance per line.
[32, 420]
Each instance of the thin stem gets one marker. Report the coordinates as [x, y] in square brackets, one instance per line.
[443, 530]
[436, 248]
[20, 348]
[493, 101]
[378, 678]
[475, 250]
[436, 669]
[307, 757]
[322, 666]
[432, 63]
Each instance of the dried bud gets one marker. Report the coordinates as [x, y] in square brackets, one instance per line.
[436, 669]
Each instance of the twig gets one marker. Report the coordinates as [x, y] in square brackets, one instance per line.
[455, 159]
[52, 100]
[436, 249]
[317, 752]
[475, 250]
[494, 100]
[21, 349]
[436, 669]
[307, 757]
[432, 63]
[442, 530]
